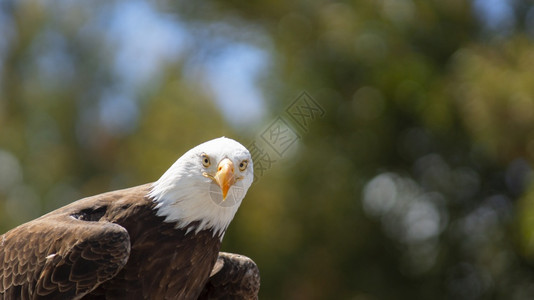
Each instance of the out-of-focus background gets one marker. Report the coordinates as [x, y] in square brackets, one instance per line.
[393, 139]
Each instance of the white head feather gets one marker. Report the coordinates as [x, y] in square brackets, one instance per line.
[184, 194]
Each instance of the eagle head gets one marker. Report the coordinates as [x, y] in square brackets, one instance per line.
[205, 185]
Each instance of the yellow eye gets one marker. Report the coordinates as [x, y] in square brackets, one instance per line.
[205, 160]
[243, 165]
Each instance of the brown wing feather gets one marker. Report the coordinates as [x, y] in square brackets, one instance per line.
[233, 277]
[60, 257]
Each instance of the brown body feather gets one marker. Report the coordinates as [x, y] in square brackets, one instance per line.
[109, 246]
[234, 276]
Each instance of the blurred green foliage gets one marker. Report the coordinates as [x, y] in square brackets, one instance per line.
[415, 184]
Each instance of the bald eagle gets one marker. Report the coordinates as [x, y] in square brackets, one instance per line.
[159, 240]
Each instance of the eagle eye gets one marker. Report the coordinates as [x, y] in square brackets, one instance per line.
[205, 160]
[243, 165]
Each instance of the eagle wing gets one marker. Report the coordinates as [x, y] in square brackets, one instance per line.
[60, 256]
[234, 276]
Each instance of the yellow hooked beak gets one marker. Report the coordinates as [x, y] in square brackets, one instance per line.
[225, 177]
